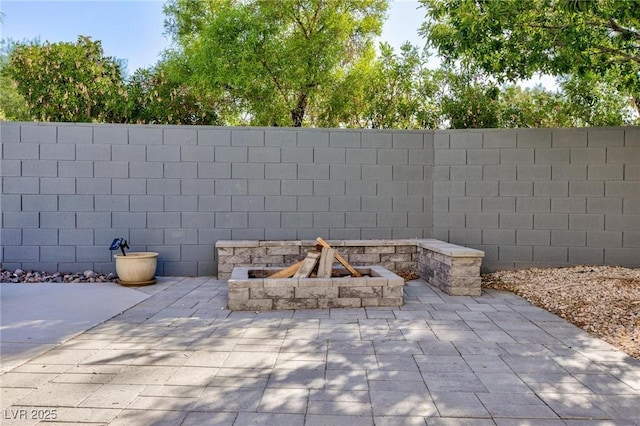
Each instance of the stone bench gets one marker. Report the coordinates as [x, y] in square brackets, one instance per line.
[452, 268]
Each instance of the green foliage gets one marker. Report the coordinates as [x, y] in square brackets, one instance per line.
[313, 63]
[472, 100]
[13, 107]
[403, 89]
[595, 101]
[469, 101]
[390, 91]
[476, 102]
[67, 81]
[160, 95]
[513, 39]
[273, 59]
[534, 107]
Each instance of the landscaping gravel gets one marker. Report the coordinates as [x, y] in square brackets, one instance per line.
[20, 276]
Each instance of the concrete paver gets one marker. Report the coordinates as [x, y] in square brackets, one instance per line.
[176, 356]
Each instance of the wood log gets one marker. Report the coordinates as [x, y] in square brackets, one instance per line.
[287, 272]
[339, 258]
[308, 264]
[325, 267]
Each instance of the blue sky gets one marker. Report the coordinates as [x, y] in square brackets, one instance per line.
[134, 29]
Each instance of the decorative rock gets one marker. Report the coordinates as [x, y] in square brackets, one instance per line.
[20, 276]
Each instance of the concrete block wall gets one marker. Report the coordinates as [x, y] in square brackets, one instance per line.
[532, 197]
[69, 189]
[526, 197]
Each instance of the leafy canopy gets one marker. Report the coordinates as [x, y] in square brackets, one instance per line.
[389, 91]
[513, 39]
[13, 107]
[273, 58]
[159, 95]
[67, 81]
[312, 62]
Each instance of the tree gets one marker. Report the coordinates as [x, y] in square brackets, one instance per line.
[595, 101]
[471, 99]
[273, 58]
[159, 95]
[534, 107]
[67, 81]
[389, 91]
[513, 39]
[468, 100]
[13, 107]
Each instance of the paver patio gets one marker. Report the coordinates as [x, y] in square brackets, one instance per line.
[180, 357]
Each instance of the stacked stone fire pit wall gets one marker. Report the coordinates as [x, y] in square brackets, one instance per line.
[452, 268]
[377, 287]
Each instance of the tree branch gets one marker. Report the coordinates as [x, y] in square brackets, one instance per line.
[281, 90]
[296, 18]
[613, 25]
[619, 52]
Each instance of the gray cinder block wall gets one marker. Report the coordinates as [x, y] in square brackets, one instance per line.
[532, 197]
[69, 189]
[526, 196]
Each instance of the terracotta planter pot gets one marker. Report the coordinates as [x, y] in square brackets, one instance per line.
[137, 268]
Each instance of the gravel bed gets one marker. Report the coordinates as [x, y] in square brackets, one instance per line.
[20, 276]
[602, 300]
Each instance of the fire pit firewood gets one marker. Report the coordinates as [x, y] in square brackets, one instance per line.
[325, 266]
[308, 264]
[323, 260]
[339, 258]
[287, 272]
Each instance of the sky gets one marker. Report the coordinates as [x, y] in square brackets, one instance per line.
[134, 29]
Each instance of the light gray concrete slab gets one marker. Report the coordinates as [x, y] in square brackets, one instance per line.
[37, 317]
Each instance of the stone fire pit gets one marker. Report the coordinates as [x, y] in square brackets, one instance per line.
[250, 291]
[449, 267]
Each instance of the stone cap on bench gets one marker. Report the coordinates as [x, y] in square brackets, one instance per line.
[449, 249]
